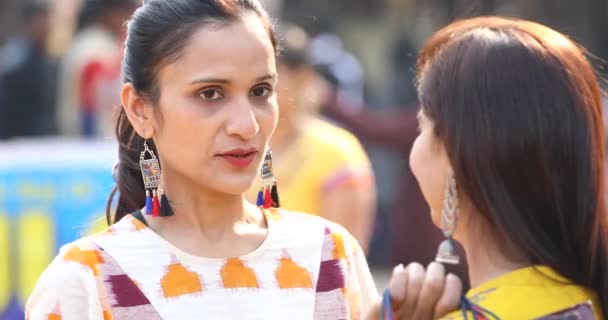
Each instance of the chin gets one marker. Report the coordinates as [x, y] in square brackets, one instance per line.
[236, 185]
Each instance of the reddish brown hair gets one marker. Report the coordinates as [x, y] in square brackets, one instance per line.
[518, 108]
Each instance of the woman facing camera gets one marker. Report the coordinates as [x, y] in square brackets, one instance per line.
[199, 108]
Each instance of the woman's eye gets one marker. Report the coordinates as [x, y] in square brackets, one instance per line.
[261, 92]
[211, 94]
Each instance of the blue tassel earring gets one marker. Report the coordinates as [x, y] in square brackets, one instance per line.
[150, 171]
[260, 200]
[148, 202]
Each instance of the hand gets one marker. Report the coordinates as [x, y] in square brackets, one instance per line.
[419, 294]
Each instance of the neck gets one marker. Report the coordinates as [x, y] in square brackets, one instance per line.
[490, 258]
[201, 211]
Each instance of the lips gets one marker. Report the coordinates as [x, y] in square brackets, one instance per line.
[239, 158]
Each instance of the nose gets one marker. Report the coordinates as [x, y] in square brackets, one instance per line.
[242, 121]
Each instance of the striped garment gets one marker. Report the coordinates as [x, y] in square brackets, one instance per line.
[307, 268]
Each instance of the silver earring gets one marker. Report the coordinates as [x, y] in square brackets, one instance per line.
[449, 218]
[150, 171]
[268, 196]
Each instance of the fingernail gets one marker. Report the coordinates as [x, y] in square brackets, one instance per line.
[435, 266]
[398, 268]
[397, 285]
[451, 277]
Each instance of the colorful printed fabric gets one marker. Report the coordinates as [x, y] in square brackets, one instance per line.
[579, 312]
[307, 268]
[536, 292]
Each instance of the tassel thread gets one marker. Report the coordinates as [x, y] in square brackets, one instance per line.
[165, 207]
[267, 199]
[148, 203]
[275, 195]
[155, 205]
[260, 200]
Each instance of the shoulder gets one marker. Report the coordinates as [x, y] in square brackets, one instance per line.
[86, 255]
[539, 291]
[81, 257]
[69, 283]
[338, 154]
[335, 237]
[288, 217]
[332, 138]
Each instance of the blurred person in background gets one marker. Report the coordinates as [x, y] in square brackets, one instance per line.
[411, 233]
[27, 78]
[90, 70]
[321, 169]
[339, 66]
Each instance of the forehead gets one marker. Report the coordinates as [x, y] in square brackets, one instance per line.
[241, 48]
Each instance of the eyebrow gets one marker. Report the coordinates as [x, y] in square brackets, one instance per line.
[266, 77]
[226, 81]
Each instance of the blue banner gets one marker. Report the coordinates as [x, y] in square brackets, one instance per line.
[51, 193]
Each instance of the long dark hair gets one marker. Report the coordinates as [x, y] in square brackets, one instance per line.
[518, 108]
[157, 33]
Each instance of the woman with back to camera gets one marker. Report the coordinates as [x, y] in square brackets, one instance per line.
[510, 158]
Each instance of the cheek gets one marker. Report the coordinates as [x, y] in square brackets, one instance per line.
[185, 133]
[427, 167]
[268, 118]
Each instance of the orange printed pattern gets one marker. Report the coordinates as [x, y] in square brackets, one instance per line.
[179, 281]
[290, 276]
[138, 225]
[56, 315]
[236, 275]
[339, 251]
[89, 258]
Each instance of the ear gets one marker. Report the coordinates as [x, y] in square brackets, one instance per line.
[139, 113]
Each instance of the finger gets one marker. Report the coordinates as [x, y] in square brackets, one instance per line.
[397, 285]
[415, 278]
[450, 298]
[374, 311]
[431, 291]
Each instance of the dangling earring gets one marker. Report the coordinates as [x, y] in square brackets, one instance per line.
[268, 196]
[449, 218]
[150, 171]
[165, 207]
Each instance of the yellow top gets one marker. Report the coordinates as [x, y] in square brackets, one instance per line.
[530, 293]
[322, 159]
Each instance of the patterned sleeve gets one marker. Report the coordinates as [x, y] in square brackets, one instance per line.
[67, 289]
[345, 288]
